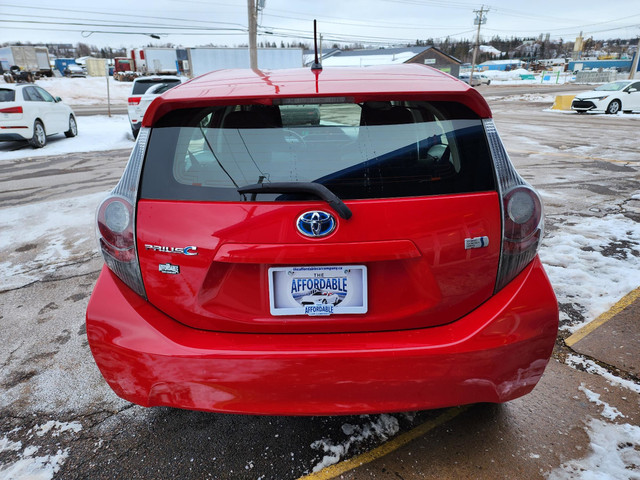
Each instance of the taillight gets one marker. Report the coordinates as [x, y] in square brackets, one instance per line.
[522, 213]
[116, 222]
[134, 100]
[11, 110]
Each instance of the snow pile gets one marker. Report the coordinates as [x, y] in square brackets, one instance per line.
[529, 97]
[367, 60]
[491, 50]
[95, 133]
[86, 91]
[380, 429]
[585, 254]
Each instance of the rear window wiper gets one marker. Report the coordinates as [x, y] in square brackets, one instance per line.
[312, 188]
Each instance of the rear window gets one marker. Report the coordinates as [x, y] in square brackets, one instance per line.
[371, 150]
[141, 86]
[7, 95]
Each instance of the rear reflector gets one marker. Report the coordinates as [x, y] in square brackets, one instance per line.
[17, 109]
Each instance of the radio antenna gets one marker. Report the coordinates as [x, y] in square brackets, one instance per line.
[316, 64]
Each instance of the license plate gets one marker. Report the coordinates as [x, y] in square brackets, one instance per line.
[318, 291]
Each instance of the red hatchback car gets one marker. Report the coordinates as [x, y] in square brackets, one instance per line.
[380, 258]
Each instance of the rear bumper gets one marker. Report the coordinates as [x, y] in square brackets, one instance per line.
[15, 131]
[494, 354]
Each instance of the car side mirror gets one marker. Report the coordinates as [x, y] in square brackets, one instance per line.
[632, 90]
[58, 99]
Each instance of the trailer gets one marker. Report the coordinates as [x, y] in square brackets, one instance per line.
[62, 63]
[206, 59]
[30, 61]
[155, 60]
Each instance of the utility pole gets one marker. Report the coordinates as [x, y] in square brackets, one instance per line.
[253, 34]
[634, 64]
[480, 20]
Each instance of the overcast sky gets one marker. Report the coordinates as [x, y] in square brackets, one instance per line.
[188, 23]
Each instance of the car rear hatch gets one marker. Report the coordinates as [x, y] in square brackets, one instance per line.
[232, 235]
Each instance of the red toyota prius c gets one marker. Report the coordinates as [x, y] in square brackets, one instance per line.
[309, 242]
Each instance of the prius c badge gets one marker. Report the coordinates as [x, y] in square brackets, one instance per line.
[316, 223]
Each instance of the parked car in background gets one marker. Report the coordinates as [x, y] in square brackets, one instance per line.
[466, 78]
[614, 97]
[74, 70]
[382, 259]
[29, 112]
[140, 86]
[484, 80]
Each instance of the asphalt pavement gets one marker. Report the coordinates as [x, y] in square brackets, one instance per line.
[533, 438]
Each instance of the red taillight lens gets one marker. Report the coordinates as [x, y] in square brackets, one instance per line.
[115, 223]
[11, 110]
[523, 212]
[134, 100]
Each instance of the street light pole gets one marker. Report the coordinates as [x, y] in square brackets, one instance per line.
[480, 19]
[634, 66]
[253, 34]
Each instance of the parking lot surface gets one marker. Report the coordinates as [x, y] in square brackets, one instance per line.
[58, 418]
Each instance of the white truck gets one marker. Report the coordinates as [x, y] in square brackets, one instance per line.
[155, 60]
[31, 62]
[206, 59]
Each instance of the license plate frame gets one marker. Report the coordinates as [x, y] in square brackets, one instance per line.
[322, 290]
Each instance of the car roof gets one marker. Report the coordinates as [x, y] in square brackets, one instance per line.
[406, 81]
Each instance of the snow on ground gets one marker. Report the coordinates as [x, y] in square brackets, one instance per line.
[615, 452]
[615, 449]
[95, 133]
[24, 464]
[61, 229]
[381, 427]
[590, 366]
[86, 91]
[515, 77]
[608, 411]
[586, 254]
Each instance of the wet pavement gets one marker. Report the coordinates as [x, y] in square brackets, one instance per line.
[576, 422]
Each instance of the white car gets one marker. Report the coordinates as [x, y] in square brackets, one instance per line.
[465, 77]
[29, 112]
[614, 97]
[138, 102]
[318, 297]
[484, 80]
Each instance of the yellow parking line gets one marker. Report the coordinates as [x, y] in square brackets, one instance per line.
[333, 471]
[623, 303]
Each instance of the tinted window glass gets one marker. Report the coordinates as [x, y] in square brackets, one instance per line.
[31, 95]
[370, 150]
[45, 95]
[7, 95]
[141, 86]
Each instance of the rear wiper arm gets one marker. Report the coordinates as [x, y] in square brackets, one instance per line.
[316, 189]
